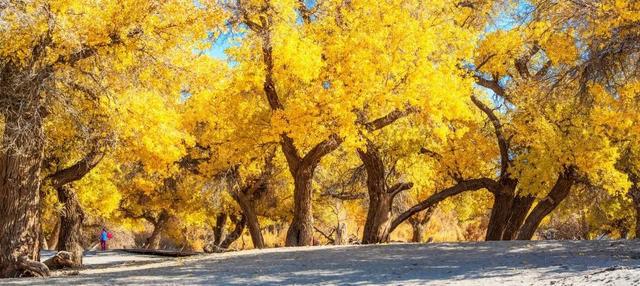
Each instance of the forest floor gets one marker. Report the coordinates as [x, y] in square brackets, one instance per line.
[481, 263]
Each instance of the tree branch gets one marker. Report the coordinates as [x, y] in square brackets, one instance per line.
[78, 170]
[502, 141]
[463, 186]
[399, 187]
[389, 119]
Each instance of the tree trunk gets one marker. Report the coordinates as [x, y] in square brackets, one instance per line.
[635, 196]
[418, 226]
[236, 233]
[55, 234]
[519, 211]
[558, 193]
[251, 217]
[499, 216]
[300, 231]
[376, 227]
[219, 231]
[501, 210]
[341, 227]
[417, 232]
[20, 163]
[153, 242]
[378, 223]
[71, 220]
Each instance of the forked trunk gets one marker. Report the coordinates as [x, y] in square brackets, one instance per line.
[20, 162]
[71, 220]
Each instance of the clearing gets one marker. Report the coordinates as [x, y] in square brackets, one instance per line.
[603, 262]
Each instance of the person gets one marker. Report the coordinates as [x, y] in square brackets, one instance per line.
[104, 236]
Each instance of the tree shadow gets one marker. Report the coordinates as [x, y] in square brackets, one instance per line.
[397, 264]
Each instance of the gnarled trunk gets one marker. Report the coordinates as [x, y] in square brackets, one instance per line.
[558, 193]
[20, 163]
[71, 220]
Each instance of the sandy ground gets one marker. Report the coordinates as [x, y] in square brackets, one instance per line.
[482, 263]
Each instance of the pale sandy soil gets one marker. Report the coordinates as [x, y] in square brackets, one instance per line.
[482, 263]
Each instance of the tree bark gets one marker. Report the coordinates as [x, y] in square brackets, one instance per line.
[153, 241]
[300, 231]
[21, 156]
[236, 233]
[71, 220]
[519, 211]
[376, 227]
[72, 215]
[378, 222]
[219, 231]
[501, 210]
[251, 217]
[418, 226]
[558, 193]
[460, 187]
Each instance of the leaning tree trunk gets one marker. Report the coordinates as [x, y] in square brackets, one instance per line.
[71, 220]
[300, 231]
[20, 163]
[519, 211]
[558, 193]
[241, 223]
[249, 213]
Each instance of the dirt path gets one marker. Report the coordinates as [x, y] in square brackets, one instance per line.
[483, 263]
